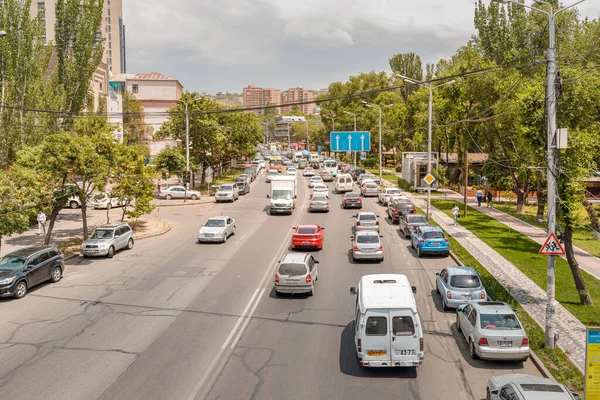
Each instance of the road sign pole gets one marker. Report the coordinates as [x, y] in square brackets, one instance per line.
[430, 112]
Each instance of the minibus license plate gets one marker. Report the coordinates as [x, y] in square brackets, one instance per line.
[376, 353]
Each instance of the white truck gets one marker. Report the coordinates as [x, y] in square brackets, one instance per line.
[284, 189]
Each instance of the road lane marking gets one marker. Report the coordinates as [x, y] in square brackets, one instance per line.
[242, 238]
[241, 332]
[239, 321]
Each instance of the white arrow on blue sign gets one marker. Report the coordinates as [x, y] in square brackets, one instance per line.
[350, 141]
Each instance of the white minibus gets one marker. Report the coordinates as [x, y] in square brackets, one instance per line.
[343, 183]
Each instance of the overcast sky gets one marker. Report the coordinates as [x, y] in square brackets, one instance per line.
[224, 45]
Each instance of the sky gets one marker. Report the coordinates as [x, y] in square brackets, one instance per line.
[224, 45]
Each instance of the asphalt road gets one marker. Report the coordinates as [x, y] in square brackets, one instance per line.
[172, 319]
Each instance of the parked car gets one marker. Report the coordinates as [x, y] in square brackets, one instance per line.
[385, 194]
[296, 273]
[106, 240]
[257, 164]
[357, 172]
[408, 223]
[364, 176]
[216, 229]
[243, 187]
[103, 201]
[430, 240]
[366, 245]
[399, 207]
[526, 387]
[314, 180]
[308, 236]
[291, 171]
[247, 177]
[308, 171]
[270, 174]
[252, 172]
[370, 189]
[492, 331]
[179, 192]
[327, 175]
[227, 192]
[320, 188]
[459, 285]
[318, 202]
[366, 221]
[24, 268]
[351, 200]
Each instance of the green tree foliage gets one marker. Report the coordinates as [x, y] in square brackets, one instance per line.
[134, 128]
[407, 64]
[170, 159]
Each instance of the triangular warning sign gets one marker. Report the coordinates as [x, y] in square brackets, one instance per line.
[552, 246]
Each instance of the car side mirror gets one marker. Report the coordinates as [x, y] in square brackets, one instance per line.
[414, 289]
[514, 310]
[353, 290]
[295, 196]
[575, 395]
[437, 274]
[268, 196]
[354, 216]
[459, 309]
[351, 237]
[316, 261]
[117, 236]
[377, 216]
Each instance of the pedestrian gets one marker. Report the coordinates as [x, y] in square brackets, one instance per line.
[41, 220]
[479, 196]
[158, 185]
[455, 213]
[489, 199]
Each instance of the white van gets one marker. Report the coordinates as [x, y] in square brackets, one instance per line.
[387, 331]
[343, 183]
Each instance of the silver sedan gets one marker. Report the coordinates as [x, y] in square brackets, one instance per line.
[319, 202]
[367, 245]
[366, 221]
[217, 229]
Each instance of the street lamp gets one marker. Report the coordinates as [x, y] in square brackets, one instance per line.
[354, 115]
[429, 130]
[380, 155]
[187, 136]
[551, 170]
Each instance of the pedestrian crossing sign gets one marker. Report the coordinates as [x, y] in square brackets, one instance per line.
[552, 246]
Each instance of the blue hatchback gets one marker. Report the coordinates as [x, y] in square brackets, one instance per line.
[430, 240]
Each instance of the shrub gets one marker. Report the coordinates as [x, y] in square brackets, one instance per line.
[405, 185]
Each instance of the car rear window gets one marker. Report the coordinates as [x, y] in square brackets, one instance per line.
[371, 186]
[352, 196]
[307, 231]
[292, 269]
[465, 281]
[417, 219]
[368, 217]
[376, 326]
[499, 321]
[403, 326]
[433, 235]
[367, 239]
[319, 198]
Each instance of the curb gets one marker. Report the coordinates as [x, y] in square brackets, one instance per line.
[540, 366]
[184, 204]
[456, 260]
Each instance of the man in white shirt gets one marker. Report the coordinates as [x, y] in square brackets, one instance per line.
[41, 220]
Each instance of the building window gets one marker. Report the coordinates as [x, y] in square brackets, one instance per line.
[109, 12]
[100, 85]
[41, 5]
[109, 44]
[134, 88]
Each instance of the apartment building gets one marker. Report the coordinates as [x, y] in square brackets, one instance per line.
[255, 96]
[294, 95]
[111, 30]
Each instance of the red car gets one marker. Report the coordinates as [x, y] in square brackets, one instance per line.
[307, 236]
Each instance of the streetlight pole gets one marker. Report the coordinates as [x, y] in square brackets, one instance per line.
[429, 128]
[332, 117]
[551, 171]
[380, 153]
[354, 115]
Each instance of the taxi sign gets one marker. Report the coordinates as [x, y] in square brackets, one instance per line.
[429, 179]
[552, 246]
[592, 364]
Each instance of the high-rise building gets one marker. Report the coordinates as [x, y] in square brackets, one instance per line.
[255, 96]
[296, 95]
[111, 30]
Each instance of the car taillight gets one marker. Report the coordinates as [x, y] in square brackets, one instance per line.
[421, 344]
[483, 342]
[446, 239]
[312, 204]
[355, 248]
[449, 294]
[411, 227]
[326, 204]
[525, 342]
[395, 212]
[357, 223]
[277, 278]
[380, 248]
[308, 278]
[376, 222]
[482, 294]
[422, 240]
[359, 342]
[346, 200]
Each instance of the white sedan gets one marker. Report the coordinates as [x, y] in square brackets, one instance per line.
[314, 180]
[216, 229]
[105, 202]
[179, 192]
[320, 188]
[385, 194]
[308, 171]
[291, 171]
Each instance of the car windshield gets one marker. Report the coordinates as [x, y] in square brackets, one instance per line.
[418, 219]
[281, 195]
[307, 230]
[292, 269]
[12, 263]
[102, 234]
[215, 223]
[368, 217]
[465, 281]
[367, 239]
[226, 188]
[433, 235]
[499, 321]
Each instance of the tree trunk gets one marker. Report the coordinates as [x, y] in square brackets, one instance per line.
[584, 294]
[466, 179]
[0, 245]
[520, 200]
[53, 216]
[107, 215]
[83, 200]
[589, 207]
[541, 198]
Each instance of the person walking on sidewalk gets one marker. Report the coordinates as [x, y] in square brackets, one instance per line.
[479, 196]
[489, 199]
[41, 220]
[455, 213]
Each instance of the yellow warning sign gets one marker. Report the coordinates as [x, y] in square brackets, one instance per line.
[429, 179]
[592, 364]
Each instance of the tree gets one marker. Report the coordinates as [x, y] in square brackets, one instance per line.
[170, 159]
[407, 64]
[134, 128]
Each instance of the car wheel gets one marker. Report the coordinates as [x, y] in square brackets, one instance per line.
[225, 239]
[194, 197]
[277, 294]
[437, 289]
[73, 204]
[472, 352]
[447, 254]
[56, 274]
[111, 252]
[168, 197]
[312, 291]
[406, 235]
[488, 395]
[458, 328]
[234, 229]
[418, 251]
[198, 241]
[444, 305]
[20, 290]
[130, 244]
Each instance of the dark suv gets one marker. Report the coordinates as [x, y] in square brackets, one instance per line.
[399, 207]
[25, 268]
[357, 172]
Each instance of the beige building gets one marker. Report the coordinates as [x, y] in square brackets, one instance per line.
[255, 96]
[112, 30]
[295, 95]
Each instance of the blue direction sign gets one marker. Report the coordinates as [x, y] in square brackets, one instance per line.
[350, 141]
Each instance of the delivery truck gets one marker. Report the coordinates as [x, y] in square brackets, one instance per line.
[284, 189]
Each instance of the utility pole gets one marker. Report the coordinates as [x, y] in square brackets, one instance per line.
[354, 115]
[380, 118]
